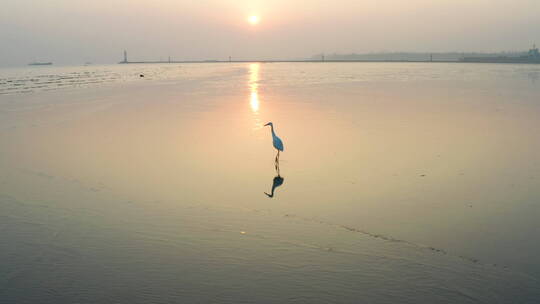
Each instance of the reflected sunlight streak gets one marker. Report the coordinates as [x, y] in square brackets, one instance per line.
[254, 102]
[254, 93]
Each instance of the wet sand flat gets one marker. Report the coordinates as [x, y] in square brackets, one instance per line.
[400, 182]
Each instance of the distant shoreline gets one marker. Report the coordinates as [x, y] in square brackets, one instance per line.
[325, 61]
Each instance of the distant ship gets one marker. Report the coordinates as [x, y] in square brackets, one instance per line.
[533, 56]
[40, 63]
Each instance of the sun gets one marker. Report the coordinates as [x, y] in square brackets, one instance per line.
[253, 20]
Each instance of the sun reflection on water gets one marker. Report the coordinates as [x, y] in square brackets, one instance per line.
[254, 101]
[254, 93]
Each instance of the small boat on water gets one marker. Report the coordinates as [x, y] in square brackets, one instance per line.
[40, 63]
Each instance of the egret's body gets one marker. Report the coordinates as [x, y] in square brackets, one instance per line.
[277, 143]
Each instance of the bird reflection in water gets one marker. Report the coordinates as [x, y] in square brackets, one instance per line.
[278, 181]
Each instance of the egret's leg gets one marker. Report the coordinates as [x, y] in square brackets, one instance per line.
[277, 163]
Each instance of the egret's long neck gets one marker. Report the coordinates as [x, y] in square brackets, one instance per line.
[272, 127]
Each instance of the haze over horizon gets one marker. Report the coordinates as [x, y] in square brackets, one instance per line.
[74, 32]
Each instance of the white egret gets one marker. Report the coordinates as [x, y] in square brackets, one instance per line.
[276, 141]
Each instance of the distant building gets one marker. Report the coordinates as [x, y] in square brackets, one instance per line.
[533, 56]
[125, 58]
[533, 53]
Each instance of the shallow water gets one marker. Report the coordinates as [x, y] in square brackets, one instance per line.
[400, 183]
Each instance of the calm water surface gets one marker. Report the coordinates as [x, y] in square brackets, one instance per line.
[399, 183]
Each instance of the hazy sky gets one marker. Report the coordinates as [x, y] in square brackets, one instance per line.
[75, 31]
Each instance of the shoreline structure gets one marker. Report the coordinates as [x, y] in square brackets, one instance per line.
[531, 57]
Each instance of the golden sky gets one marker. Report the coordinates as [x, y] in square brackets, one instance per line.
[77, 30]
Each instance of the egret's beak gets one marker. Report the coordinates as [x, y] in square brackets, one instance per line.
[267, 124]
